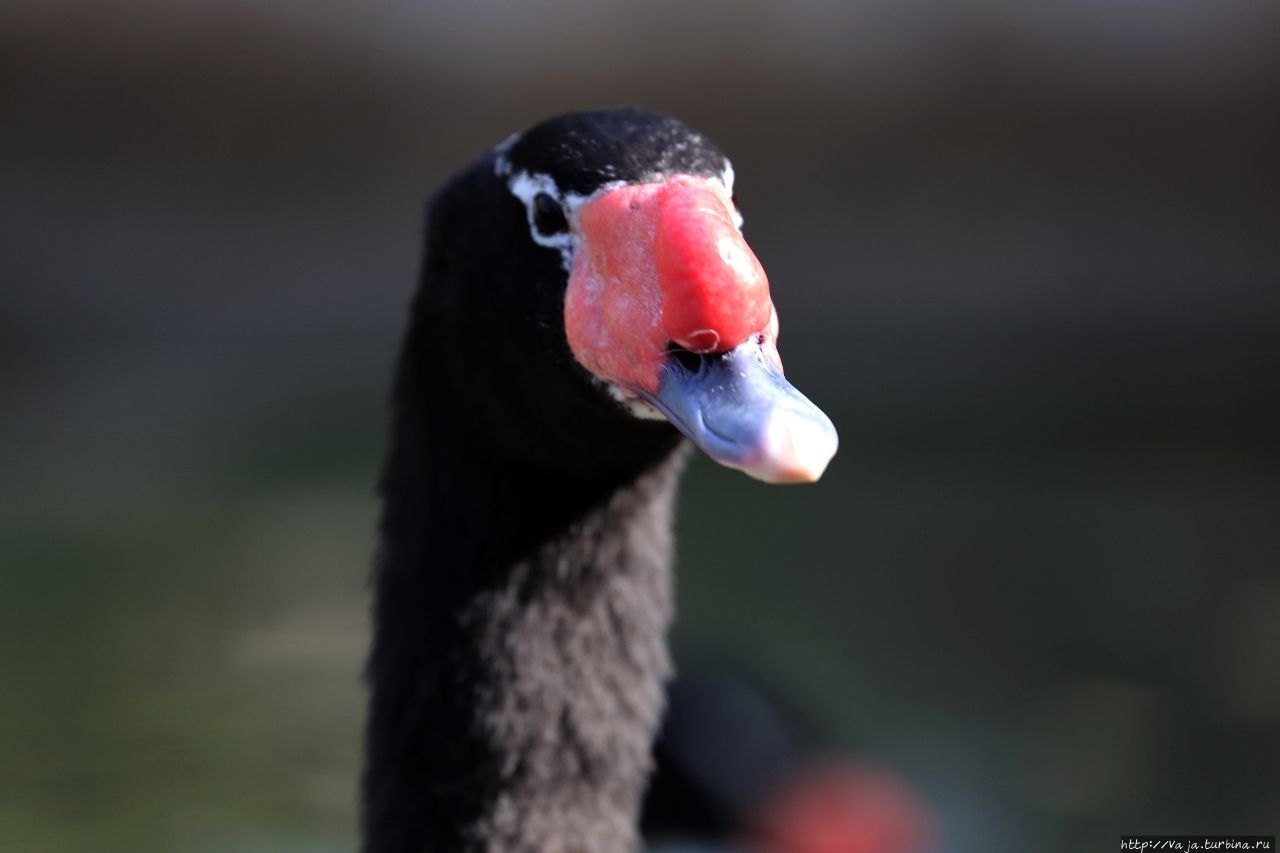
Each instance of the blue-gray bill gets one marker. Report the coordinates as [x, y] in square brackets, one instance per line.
[740, 410]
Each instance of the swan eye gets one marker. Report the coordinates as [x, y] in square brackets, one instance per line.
[548, 216]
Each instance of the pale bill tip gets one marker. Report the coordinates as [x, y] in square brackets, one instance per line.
[793, 449]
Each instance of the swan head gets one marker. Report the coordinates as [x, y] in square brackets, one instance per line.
[636, 264]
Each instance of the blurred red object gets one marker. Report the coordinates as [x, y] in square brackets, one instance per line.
[844, 808]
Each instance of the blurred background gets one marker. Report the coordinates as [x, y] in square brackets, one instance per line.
[1026, 254]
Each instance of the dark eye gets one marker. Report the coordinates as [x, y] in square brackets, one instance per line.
[548, 216]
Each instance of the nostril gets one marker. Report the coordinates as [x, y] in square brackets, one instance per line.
[690, 361]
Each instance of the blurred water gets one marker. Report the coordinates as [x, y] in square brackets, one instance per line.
[1026, 258]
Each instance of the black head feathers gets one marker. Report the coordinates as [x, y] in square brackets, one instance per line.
[585, 150]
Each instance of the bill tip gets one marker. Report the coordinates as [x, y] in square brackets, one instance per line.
[794, 449]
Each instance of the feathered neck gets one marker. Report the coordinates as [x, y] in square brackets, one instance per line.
[519, 652]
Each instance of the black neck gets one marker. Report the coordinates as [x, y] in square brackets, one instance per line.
[519, 652]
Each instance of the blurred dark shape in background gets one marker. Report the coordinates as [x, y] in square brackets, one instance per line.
[1025, 254]
[739, 769]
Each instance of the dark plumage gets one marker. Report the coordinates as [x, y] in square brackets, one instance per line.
[522, 586]
[585, 150]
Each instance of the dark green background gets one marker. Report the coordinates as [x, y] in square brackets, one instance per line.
[1027, 255]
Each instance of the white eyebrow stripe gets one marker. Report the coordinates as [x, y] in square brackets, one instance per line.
[526, 186]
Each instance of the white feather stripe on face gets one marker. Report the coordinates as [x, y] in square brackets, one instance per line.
[527, 186]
